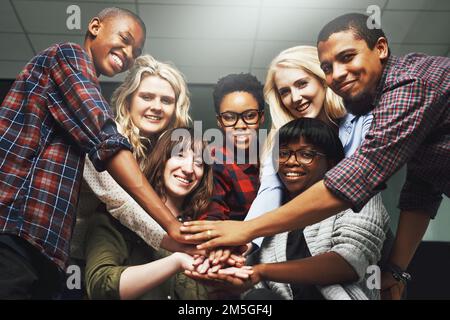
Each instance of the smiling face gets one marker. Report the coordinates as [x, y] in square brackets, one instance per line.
[114, 43]
[152, 105]
[302, 94]
[241, 132]
[351, 68]
[182, 173]
[297, 177]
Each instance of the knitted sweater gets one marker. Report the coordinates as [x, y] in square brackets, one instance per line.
[357, 237]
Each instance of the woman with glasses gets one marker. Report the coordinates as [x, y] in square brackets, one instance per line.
[239, 104]
[327, 260]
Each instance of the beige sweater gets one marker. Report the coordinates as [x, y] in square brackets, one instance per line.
[357, 237]
[101, 187]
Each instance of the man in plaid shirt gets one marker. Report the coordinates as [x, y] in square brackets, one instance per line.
[52, 116]
[409, 100]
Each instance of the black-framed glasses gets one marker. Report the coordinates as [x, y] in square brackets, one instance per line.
[302, 156]
[230, 118]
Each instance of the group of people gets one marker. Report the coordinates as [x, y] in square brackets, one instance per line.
[152, 211]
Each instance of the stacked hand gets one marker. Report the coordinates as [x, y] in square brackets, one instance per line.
[224, 269]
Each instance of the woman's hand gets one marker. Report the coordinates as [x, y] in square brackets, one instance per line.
[232, 280]
[184, 261]
[216, 233]
[231, 256]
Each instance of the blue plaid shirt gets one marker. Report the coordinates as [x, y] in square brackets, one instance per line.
[52, 116]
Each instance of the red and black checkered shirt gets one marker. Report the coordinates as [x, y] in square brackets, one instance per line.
[411, 125]
[52, 116]
[235, 188]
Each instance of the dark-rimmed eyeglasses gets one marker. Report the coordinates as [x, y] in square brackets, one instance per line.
[230, 118]
[302, 156]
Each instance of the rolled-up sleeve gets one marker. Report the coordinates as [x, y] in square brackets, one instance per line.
[359, 237]
[79, 107]
[402, 121]
[106, 253]
[122, 206]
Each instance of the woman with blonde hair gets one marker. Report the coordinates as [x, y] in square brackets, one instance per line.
[152, 99]
[295, 87]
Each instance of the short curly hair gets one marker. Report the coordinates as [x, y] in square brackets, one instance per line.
[245, 82]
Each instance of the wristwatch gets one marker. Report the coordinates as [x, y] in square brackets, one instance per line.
[398, 273]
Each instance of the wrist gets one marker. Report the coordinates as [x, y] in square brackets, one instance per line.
[261, 271]
[398, 273]
[176, 258]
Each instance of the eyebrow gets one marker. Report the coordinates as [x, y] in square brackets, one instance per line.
[130, 35]
[300, 79]
[154, 94]
[338, 56]
[345, 51]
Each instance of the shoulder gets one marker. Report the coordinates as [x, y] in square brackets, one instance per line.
[419, 70]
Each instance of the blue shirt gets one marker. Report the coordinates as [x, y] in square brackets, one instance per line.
[352, 131]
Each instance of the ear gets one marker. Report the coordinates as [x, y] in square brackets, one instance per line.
[382, 48]
[219, 124]
[261, 120]
[94, 27]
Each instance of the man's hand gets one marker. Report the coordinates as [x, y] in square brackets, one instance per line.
[216, 233]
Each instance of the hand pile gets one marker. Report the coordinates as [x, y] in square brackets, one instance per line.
[224, 269]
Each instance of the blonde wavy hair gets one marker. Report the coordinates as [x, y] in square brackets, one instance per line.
[307, 59]
[144, 66]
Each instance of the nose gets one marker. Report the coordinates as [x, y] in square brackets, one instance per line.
[128, 51]
[188, 166]
[155, 106]
[296, 95]
[339, 72]
[240, 124]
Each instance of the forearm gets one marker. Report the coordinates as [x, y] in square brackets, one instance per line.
[137, 280]
[125, 170]
[311, 206]
[411, 228]
[325, 269]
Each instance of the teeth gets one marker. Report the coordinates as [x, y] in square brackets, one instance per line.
[117, 60]
[153, 117]
[182, 180]
[303, 106]
[293, 174]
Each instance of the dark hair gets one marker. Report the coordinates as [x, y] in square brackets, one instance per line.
[238, 82]
[113, 12]
[357, 23]
[196, 201]
[315, 132]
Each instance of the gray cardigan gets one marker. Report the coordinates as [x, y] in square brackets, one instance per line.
[357, 237]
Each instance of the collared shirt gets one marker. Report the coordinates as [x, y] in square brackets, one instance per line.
[52, 116]
[411, 125]
[235, 188]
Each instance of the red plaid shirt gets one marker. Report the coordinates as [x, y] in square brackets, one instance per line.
[235, 188]
[52, 116]
[411, 125]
